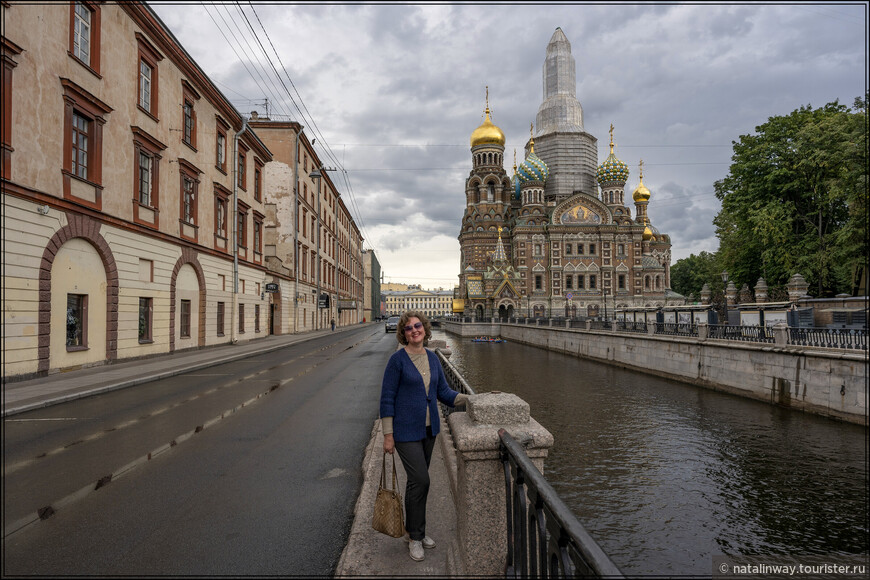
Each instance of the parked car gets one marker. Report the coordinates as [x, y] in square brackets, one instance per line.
[391, 324]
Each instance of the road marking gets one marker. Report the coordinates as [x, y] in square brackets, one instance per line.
[47, 419]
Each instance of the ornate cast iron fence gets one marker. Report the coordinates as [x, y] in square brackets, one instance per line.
[631, 326]
[742, 333]
[855, 338]
[677, 328]
[544, 538]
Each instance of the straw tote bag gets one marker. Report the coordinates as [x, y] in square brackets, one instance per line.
[389, 517]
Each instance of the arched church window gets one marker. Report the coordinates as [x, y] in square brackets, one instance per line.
[490, 191]
[646, 282]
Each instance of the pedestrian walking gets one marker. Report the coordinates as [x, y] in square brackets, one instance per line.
[332, 324]
[412, 386]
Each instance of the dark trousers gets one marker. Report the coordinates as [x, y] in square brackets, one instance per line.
[416, 456]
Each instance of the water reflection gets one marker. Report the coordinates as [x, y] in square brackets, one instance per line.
[665, 475]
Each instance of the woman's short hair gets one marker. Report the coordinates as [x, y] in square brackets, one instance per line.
[403, 322]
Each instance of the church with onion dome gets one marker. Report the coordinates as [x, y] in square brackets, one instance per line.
[556, 238]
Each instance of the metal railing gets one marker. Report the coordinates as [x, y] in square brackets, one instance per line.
[741, 333]
[854, 338]
[631, 326]
[456, 381]
[544, 538]
[677, 328]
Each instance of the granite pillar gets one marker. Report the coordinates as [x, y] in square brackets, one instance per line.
[480, 501]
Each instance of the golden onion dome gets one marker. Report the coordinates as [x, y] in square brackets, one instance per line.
[487, 134]
[641, 193]
[647, 234]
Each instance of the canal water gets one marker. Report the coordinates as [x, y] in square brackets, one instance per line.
[664, 475]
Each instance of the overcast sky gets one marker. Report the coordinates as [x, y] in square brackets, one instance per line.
[395, 92]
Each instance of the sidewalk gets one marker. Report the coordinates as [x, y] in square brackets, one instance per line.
[370, 553]
[65, 386]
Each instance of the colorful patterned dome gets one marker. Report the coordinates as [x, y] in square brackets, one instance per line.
[533, 169]
[612, 170]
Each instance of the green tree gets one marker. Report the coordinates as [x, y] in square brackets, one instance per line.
[688, 275]
[795, 200]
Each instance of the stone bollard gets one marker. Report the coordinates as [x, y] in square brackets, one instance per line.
[567, 324]
[703, 331]
[588, 324]
[480, 502]
[650, 327]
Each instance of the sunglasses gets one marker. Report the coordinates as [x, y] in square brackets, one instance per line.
[410, 327]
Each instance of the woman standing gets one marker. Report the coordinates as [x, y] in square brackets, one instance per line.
[413, 384]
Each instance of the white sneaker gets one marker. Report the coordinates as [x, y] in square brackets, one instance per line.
[427, 542]
[416, 550]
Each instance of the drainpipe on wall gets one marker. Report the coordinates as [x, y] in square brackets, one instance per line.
[296, 232]
[234, 322]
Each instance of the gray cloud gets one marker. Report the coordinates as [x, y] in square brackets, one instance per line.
[396, 91]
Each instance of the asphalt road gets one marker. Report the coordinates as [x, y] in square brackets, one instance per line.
[254, 468]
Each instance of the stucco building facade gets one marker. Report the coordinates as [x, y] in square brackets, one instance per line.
[137, 214]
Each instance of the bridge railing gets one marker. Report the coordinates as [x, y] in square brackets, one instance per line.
[456, 381]
[544, 538]
[829, 337]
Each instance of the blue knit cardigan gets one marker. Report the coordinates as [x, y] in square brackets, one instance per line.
[403, 396]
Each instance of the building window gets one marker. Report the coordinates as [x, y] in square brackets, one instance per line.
[258, 180]
[146, 151]
[569, 282]
[581, 282]
[221, 207]
[241, 318]
[592, 282]
[620, 249]
[240, 229]
[221, 312]
[145, 317]
[189, 199]
[82, 33]
[84, 37]
[80, 131]
[188, 203]
[83, 144]
[538, 283]
[188, 122]
[148, 87]
[258, 226]
[580, 249]
[240, 170]
[621, 282]
[592, 249]
[256, 318]
[145, 178]
[188, 114]
[568, 249]
[76, 321]
[221, 160]
[185, 319]
[145, 74]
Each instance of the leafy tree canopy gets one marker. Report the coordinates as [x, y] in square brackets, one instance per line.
[795, 200]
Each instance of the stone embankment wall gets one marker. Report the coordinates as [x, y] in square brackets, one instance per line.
[826, 382]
